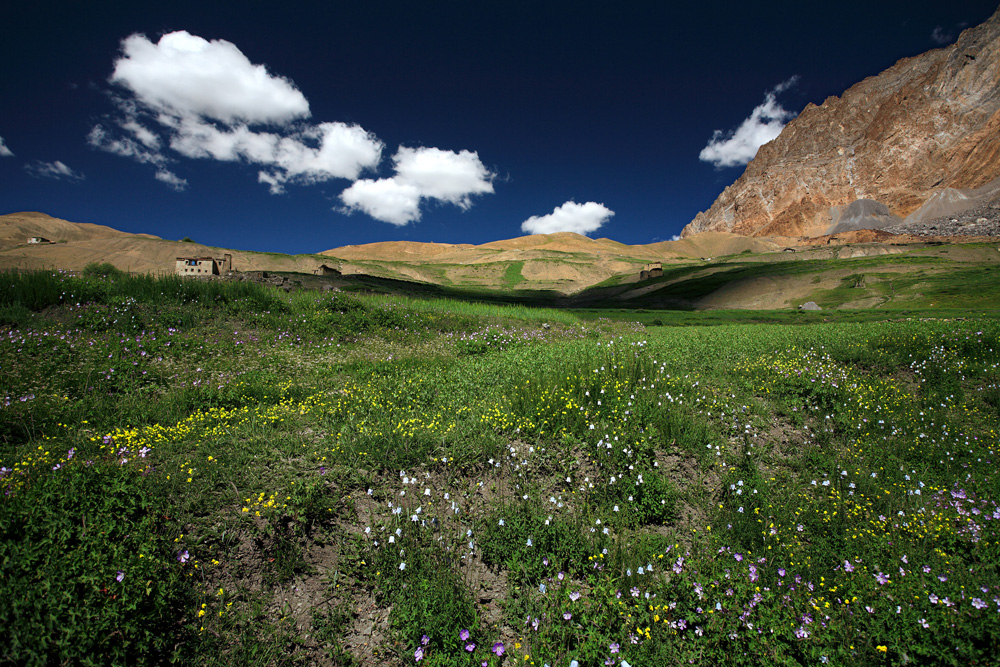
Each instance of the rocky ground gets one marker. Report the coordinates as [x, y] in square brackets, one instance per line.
[981, 220]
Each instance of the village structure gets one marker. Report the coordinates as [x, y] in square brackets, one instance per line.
[36, 240]
[204, 266]
[324, 270]
[653, 270]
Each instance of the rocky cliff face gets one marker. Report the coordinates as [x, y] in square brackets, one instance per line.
[926, 123]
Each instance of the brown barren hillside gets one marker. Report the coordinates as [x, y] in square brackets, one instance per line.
[710, 270]
[17, 228]
[561, 262]
[74, 245]
[928, 123]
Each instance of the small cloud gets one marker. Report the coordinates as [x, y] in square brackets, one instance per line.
[739, 146]
[570, 217]
[275, 184]
[443, 175]
[940, 36]
[386, 199]
[675, 237]
[55, 170]
[171, 179]
[4, 151]
[421, 173]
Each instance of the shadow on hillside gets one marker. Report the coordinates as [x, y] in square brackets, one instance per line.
[377, 285]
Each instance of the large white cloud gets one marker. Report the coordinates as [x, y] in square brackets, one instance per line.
[421, 173]
[4, 151]
[186, 75]
[56, 170]
[570, 217]
[739, 146]
[205, 99]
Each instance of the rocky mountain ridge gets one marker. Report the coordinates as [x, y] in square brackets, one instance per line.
[927, 123]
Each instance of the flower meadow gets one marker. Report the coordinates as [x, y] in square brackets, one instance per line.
[227, 474]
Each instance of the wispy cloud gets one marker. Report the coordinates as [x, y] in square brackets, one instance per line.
[55, 170]
[421, 173]
[570, 217]
[171, 179]
[941, 36]
[4, 151]
[739, 146]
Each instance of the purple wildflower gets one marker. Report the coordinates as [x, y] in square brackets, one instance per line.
[498, 649]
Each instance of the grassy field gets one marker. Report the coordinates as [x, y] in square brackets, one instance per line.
[224, 474]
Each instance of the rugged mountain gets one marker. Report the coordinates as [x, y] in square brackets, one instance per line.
[927, 123]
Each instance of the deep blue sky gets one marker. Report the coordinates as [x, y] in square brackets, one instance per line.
[603, 102]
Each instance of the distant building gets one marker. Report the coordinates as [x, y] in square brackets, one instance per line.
[203, 266]
[324, 270]
[652, 270]
[788, 250]
[36, 240]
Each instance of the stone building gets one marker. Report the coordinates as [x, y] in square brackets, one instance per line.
[652, 270]
[324, 270]
[203, 266]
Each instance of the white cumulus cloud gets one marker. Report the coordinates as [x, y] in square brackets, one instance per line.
[185, 96]
[739, 146]
[386, 199]
[570, 217]
[186, 75]
[445, 175]
[4, 151]
[421, 173]
[56, 170]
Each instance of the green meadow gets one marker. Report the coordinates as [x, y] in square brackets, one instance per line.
[220, 473]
